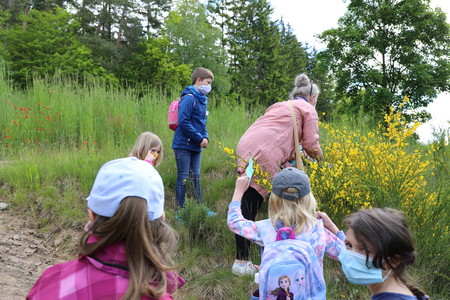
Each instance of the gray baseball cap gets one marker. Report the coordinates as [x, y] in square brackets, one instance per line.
[291, 178]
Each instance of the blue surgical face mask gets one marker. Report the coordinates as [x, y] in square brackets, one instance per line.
[357, 271]
[204, 89]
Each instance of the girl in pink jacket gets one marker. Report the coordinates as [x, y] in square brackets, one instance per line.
[270, 142]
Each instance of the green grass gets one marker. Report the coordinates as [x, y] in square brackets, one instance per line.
[48, 177]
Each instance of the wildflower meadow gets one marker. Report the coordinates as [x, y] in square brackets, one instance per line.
[55, 135]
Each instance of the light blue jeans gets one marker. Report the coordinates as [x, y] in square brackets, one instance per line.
[188, 168]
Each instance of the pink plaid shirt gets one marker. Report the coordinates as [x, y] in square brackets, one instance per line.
[89, 278]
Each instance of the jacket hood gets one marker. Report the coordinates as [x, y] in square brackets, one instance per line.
[192, 90]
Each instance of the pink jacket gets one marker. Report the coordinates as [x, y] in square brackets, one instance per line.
[101, 276]
[270, 139]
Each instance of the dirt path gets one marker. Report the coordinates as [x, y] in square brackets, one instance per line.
[25, 253]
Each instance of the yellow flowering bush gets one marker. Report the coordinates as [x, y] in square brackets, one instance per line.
[260, 176]
[374, 169]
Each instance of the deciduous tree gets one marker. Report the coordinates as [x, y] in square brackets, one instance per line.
[47, 44]
[154, 64]
[196, 42]
[383, 50]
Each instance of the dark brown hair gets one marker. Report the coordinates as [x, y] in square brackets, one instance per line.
[386, 231]
[202, 73]
[149, 246]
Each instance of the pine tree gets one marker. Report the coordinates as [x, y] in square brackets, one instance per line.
[254, 46]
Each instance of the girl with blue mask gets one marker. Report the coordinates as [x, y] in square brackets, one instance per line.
[379, 246]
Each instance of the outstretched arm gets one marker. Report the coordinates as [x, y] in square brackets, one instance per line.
[236, 221]
[327, 222]
[335, 238]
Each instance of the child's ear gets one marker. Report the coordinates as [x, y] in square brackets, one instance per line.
[197, 81]
[91, 215]
[393, 261]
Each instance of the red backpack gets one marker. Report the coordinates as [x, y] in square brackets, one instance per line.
[172, 115]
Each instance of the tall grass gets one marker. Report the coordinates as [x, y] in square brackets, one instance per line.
[55, 135]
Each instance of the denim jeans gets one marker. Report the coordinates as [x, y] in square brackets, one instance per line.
[188, 168]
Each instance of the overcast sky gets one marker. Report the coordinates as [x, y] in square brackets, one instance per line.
[309, 18]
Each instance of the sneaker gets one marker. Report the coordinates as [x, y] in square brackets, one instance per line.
[179, 219]
[211, 213]
[256, 280]
[243, 268]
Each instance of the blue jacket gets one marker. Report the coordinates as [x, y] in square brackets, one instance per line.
[192, 119]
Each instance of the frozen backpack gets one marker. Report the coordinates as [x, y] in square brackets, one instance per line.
[172, 115]
[290, 268]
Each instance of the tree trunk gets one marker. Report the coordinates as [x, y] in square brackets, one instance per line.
[121, 24]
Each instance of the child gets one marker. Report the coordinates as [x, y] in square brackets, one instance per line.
[283, 292]
[148, 147]
[291, 204]
[379, 247]
[127, 251]
[191, 135]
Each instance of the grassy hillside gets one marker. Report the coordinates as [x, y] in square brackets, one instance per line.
[55, 135]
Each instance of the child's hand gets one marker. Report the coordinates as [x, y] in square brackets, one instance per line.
[327, 222]
[242, 183]
[240, 188]
[240, 171]
[204, 143]
[151, 156]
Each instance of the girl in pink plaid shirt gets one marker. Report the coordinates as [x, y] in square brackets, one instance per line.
[126, 252]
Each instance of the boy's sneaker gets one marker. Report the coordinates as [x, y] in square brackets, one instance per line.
[177, 216]
[210, 213]
[243, 268]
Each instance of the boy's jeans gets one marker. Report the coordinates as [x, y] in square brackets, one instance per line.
[188, 168]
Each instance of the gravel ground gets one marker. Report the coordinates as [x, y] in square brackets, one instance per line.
[25, 253]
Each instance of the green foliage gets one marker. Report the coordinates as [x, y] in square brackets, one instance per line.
[254, 43]
[154, 64]
[319, 73]
[200, 227]
[114, 29]
[196, 42]
[384, 50]
[4, 16]
[45, 43]
[264, 56]
[293, 58]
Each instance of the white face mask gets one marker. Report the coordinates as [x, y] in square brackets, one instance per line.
[204, 89]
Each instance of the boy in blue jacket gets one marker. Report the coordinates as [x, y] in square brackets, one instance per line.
[191, 134]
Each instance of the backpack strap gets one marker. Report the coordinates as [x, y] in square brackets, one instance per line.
[289, 230]
[298, 157]
[192, 97]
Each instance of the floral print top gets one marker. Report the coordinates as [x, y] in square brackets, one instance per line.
[263, 232]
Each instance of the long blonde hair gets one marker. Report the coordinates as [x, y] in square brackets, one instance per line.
[149, 246]
[146, 141]
[298, 214]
